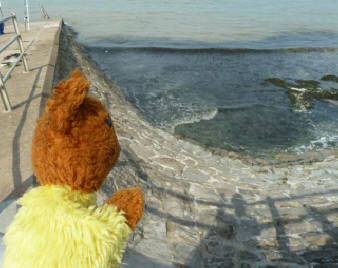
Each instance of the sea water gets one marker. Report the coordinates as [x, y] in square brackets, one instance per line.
[200, 68]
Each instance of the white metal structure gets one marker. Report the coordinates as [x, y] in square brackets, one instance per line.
[26, 15]
[2, 15]
[3, 79]
[44, 13]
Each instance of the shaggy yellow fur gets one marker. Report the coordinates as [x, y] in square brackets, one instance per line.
[59, 227]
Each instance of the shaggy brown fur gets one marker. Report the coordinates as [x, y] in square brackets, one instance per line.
[74, 144]
[131, 202]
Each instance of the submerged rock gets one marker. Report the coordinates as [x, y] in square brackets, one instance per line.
[330, 78]
[302, 92]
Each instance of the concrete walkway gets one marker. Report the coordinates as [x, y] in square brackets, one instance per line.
[26, 91]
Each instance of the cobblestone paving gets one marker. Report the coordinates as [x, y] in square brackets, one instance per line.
[207, 210]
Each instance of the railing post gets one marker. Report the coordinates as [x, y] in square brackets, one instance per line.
[27, 28]
[4, 95]
[44, 13]
[20, 42]
[2, 14]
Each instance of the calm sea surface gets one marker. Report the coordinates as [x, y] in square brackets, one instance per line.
[199, 68]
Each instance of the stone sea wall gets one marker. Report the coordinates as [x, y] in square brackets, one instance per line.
[209, 210]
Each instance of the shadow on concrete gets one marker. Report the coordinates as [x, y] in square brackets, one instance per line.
[2, 248]
[16, 158]
[20, 185]
[25, 102]
[17, 193]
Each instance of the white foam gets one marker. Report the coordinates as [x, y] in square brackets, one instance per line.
[298, 89]
[322, 142]
[195, 119]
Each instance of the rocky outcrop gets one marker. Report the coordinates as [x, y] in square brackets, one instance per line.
[302, 92]
[330, 78]
[208, 210]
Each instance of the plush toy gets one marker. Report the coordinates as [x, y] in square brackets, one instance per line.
[59, 223]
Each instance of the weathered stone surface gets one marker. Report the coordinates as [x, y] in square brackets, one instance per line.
[193, 174]
[187, 255]
[206, 215]
[132, 259]
[212, 262]
[177, 232]
[155, 229]
[204, 193]
[154, 248]
[169, 163]
[213, 245]
[248, 256]
[142, 151]
[174, 207]
[314, 240]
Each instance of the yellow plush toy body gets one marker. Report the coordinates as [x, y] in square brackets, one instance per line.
[59, 223]
[58, 227]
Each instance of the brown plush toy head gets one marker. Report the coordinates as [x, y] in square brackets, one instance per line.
[74, 141]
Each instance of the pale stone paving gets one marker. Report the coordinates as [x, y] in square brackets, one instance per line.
[207, 210]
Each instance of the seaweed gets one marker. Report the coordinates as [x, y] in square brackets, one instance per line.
[302, 92]
[330, 78]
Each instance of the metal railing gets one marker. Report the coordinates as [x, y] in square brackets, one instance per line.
[3, 79]
[44, 13]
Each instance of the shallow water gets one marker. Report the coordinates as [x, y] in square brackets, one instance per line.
[199, 68]
[219, 97]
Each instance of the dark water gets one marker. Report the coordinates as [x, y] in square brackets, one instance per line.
[217, 95]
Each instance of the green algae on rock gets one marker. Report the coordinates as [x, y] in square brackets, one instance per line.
[302, 92]
[330, 78]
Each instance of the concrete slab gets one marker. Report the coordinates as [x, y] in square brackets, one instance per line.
[9, 209]
[2, 248]
[25, 92]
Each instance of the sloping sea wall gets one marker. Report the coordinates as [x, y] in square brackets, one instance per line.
[212, 210]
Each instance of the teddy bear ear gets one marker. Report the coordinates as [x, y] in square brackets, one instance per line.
[66, 99]
[77, 74]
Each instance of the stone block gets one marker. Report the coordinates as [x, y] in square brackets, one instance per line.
[216, 262]
[155, 249]
[213, 245]
[170, 163]
[181, 233]
[299, 228]
[248, 256]
[204, 193]
[194, 175]
[188, 255]
[173, 207]
[155, 229]
[316, 240]
[8, 211]
[206, 215]
[142, 151]
[133, 259]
